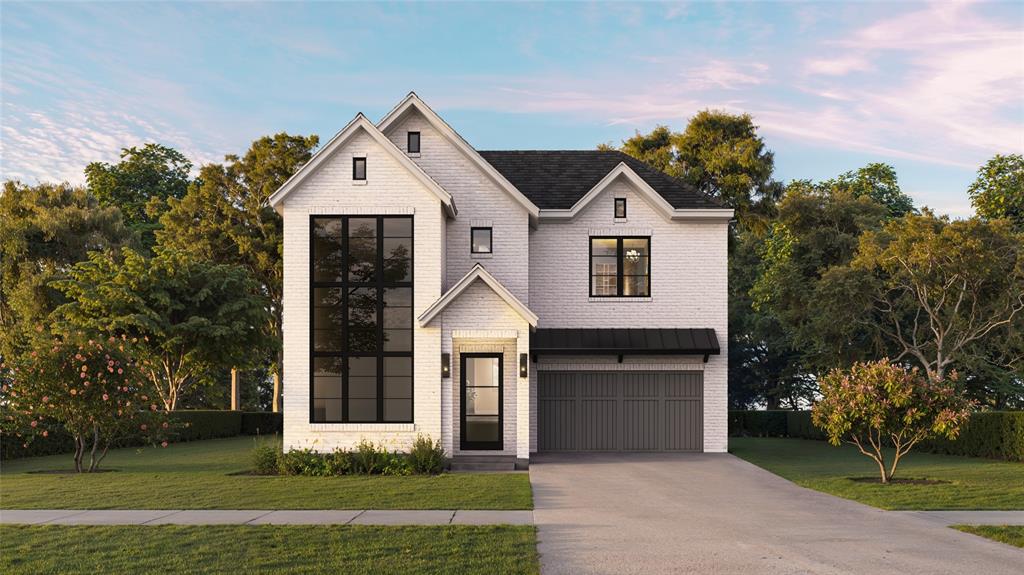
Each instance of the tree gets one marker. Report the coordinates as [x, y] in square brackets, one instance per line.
[656, 149]
[45, 230]
[184, 316]
[998, 192]
[140, 184]
[92, 389]
[226, 218]
[932, 287]
[875, 404]
[876, 181]
[722, 155]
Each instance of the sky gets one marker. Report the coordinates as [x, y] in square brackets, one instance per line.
[934, 89]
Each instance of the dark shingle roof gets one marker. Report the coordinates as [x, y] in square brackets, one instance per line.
[557, 179]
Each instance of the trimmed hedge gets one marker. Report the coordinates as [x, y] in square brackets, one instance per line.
[991, 434]
[191, 425]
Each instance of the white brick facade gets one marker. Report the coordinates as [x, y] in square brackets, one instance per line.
[544, 264]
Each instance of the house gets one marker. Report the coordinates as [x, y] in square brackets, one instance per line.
[504, 302]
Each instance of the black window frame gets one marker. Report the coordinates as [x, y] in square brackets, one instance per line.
[408, 142]
[618, 202]
[619, 255]
[356, 160]
[345, 354]
[473, 230]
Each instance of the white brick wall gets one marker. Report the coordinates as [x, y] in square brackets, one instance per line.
[689, 281]
[389, 189]
[480, 203]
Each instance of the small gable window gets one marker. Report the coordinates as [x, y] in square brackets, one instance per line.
[620, 207]
[413, 143]
[480, 241]
[359, 169]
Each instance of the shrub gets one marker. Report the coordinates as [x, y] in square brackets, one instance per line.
[994, 434]
[368, 458]
[92, 390]
[396, 464]
[878, 403]
[194, 425]
[426, 456]
[799, 424]
[302, 462]
[261, 423]
[265, 459]
[758, 423]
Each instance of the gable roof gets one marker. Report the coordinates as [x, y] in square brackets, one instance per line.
[412, 101]
[360, 123]
[558, 179]
[477, 273]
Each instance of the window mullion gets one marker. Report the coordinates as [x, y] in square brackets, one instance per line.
[619, 267]
[380, 319]
[344, 318]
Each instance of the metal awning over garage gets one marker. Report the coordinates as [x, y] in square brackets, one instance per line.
[625, 341]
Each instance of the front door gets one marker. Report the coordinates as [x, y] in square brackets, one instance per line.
[481, 417]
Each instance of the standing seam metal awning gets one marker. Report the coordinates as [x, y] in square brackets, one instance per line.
[625, 341]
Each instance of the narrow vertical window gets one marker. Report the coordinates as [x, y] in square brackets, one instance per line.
[480, 241]
[620, 207]
[413, 143]
[359, 169]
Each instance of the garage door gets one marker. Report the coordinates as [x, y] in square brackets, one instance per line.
[620, 410]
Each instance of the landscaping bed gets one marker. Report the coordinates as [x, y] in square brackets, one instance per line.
[213, 474]
[963, 482]
[268, 549]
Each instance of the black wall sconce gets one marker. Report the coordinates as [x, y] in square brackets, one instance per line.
[524, 363]
[446, 365]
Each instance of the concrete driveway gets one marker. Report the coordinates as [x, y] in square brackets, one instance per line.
[715, 513]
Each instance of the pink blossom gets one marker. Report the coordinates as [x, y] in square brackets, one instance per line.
[46, 433]
[120, 371]
[74, 391]
[106, 397]
[165, 425]
[34, 423]
[81, 375]
[152, 407]
[46, 398]
[163, 444]
[143, 427]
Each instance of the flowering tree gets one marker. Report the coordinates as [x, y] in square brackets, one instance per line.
[93, 390]
[878, 404]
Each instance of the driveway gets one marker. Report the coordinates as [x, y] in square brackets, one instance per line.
[715, 513]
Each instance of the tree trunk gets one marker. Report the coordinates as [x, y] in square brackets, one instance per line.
[236, 403]
[79, 452]
[95, 443]
[276, 404]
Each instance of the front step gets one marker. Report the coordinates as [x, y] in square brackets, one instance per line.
[483, 463]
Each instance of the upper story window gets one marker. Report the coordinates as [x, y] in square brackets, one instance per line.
[413, 143]
[362, 320]
[620, 207]
[480, 240]
[620, 267]
[359, 169]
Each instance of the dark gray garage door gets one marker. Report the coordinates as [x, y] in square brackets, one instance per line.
[620, 410]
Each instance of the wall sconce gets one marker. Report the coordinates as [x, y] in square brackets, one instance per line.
[446, 365]
[524, 369]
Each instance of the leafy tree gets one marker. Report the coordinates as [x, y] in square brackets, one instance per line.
[875, 404]
[998, 192]
[225, 218]
[931, 287]
[45, 230]
[139, 184]
[721, 154]
[876, 181]
[93, 390]
[184, 316]
[656, 148]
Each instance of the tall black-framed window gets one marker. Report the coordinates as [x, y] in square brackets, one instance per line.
[620, 207]
[413, 142]
[480, 240]
[361, 326]
[358, 168]
[620, 266]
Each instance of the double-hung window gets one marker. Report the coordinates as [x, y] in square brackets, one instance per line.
[620, 267]
[361, 319]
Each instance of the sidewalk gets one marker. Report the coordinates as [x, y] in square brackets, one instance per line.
[968, 517]
[262, 517]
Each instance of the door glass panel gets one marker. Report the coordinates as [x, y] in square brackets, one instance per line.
[482, 409]
[483, 429]
[481, 401]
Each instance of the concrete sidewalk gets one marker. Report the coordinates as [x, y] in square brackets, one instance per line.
[968, 517]
[262, 517]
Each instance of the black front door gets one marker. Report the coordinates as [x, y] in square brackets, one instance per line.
[481, 399]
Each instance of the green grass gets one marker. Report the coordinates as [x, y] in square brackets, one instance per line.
[197, 475]
[974, 483]
[268, 549]
[1009, 534]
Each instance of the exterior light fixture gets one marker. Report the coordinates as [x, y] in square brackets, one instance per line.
[524, 365]
[446, 365]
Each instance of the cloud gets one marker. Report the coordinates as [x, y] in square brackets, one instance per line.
[836, 66]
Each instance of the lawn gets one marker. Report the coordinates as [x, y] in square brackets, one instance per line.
[199, 475]
[268, 549]
[973, 483]
[1010, 534]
